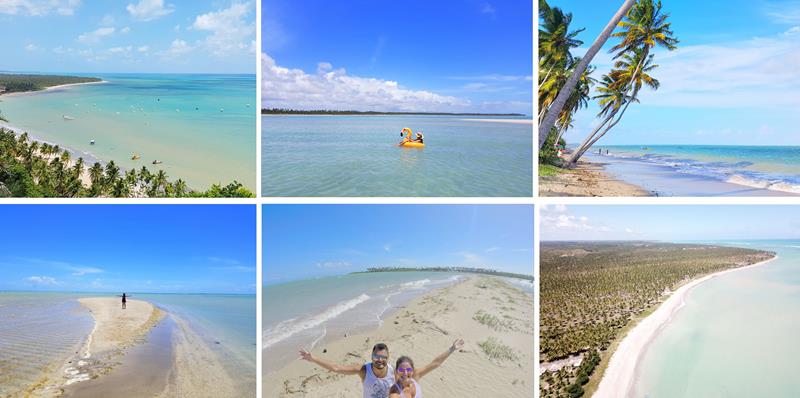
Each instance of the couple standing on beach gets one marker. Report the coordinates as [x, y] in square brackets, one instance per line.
[380, 379]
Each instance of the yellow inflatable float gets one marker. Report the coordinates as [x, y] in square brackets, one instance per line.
[408, 140]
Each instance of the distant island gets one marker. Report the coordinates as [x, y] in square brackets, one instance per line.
[277, 111]
[449, 269]
[17, 83]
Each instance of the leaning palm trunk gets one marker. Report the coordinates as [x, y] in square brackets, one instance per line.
[563, 95]
[587, 142]
[594, 136]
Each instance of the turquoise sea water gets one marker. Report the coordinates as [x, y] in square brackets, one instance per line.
[774, 168]
[358, 156]
[41, 330]
[736, 336]
[202, 127]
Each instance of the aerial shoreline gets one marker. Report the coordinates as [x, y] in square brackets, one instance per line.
[618, 378]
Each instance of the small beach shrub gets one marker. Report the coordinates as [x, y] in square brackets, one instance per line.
[497, 351]
[492, 321]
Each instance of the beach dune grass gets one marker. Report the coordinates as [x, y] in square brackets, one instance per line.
[497, 351]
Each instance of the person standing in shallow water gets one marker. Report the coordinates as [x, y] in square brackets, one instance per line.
[124, 300]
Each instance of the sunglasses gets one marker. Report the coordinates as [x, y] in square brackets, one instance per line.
[383, 357]
[405, 370]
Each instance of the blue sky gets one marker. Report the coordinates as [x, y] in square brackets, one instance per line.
[306, 241]
[669, 223]
[735, 79]
[129, 248]
[159, 36]
[412, 55]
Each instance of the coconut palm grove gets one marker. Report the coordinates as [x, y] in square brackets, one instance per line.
[38, 169]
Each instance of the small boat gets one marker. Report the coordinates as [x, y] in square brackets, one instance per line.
[157, 162]
[91, 142]
[67, 117]
[136, 157]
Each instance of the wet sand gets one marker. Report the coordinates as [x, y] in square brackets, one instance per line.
[586, 180]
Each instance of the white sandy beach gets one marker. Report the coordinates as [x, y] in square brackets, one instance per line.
[424, 329]
[46, 89]
[618, 378]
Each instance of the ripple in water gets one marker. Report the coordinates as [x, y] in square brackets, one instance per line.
[37, 334]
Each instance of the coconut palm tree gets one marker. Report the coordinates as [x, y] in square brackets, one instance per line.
[179, 188]
[555, 40]
[621, 88]
[644, 27]
[563, 96]
[96, 175]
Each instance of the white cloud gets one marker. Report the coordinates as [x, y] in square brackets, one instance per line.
[762, 72]
[333, 264]
[230, 31]
[387, 247]
[333, 89]
[125, 30]
[42, 280]
[143, 49]
[785, 12]
[95, 36]
[148, 10]
[80, 271]
[493, 249]
[38, 7]
[560, 218]
[31, 47]
[107, 20]
[177, 48]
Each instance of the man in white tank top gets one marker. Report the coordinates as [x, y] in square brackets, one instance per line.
[377, 376]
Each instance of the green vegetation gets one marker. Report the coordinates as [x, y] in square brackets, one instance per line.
[497, 351]
[21, 83]
[492, 321]
[547, 170]
[33, 169]
[643, 28]
[277, 111]
[468, 270]
[591, 291]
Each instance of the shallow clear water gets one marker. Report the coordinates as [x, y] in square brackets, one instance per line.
[43, 329]
[38, 332]
[775, 168]
[358, 156]
[735, 337]
[229, 320]
[176, 119]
